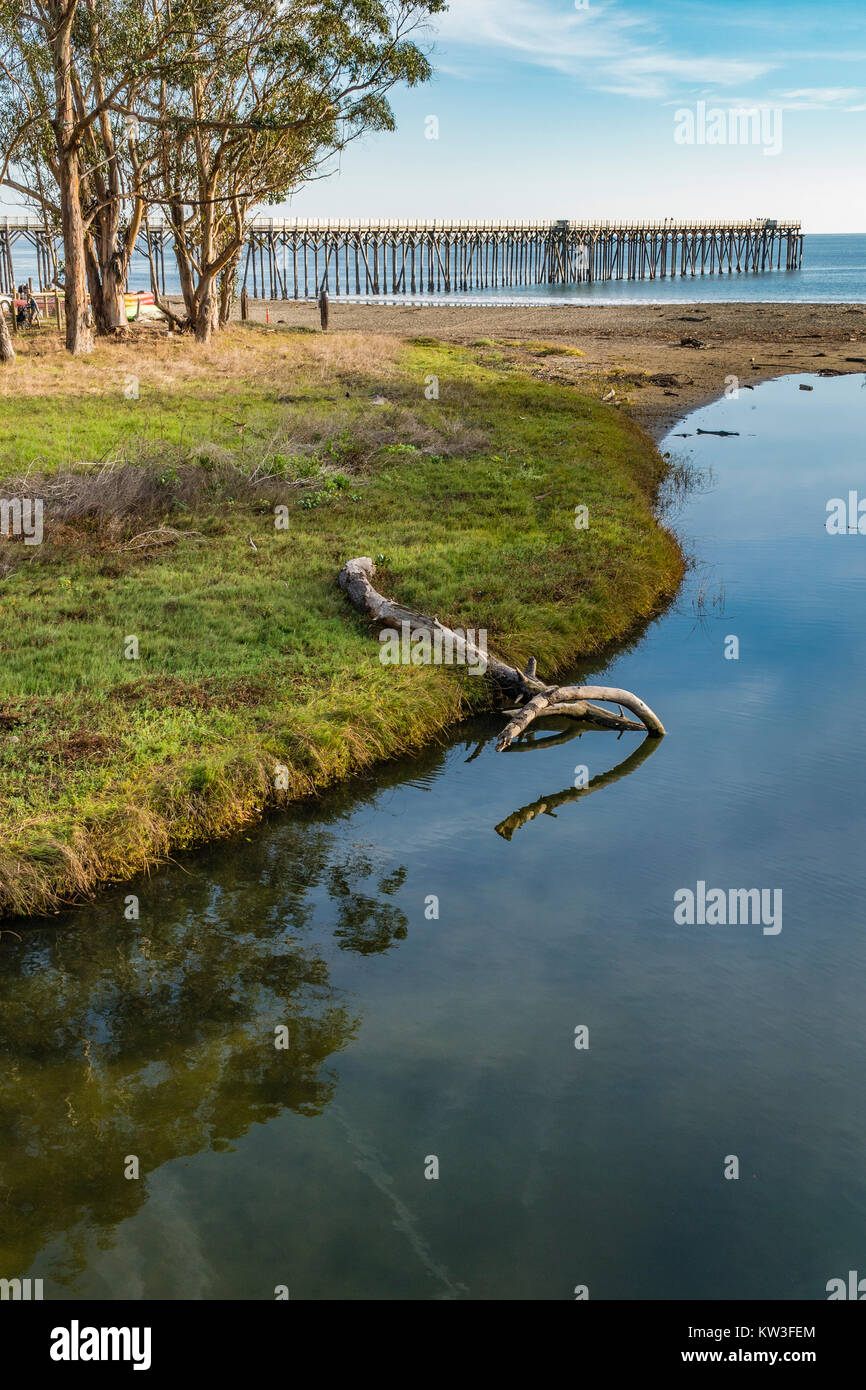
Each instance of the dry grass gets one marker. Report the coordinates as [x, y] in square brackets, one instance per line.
[172, 361]
[149, 481]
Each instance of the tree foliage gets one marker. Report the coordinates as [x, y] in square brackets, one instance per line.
[201, 109]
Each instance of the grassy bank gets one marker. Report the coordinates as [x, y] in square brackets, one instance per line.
[159, 463]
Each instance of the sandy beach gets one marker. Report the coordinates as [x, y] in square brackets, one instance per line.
[641, 351]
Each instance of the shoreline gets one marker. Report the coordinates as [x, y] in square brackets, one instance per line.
[624, 345]
[616, 360]
[258, 684]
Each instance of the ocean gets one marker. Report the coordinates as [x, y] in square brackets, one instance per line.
[833, 271]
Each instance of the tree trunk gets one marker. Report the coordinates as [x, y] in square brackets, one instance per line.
[185, 274]
[112, 319]
[94, 282]
[105, 278]
[111, 258]
[7, 351]
[111, 249]
[228, 284]
[183, 257]
[79, 334]
[207, 310]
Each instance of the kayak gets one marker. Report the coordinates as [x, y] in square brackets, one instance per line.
[141, 304]
[138, 304]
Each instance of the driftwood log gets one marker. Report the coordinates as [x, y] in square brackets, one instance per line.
[533, 698]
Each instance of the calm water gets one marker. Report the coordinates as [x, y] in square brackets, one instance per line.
[834, 270]
[411, 1037]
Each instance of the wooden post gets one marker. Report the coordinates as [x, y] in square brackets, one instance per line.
[245, 305]
[323, 310]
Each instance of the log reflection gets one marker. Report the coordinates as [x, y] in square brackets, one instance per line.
[548, 805]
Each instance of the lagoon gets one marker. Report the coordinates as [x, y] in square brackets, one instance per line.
[410, 1036]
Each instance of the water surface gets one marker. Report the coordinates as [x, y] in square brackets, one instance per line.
[412, 1037]
[833, 271]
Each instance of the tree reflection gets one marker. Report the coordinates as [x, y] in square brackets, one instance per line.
[365, 924]
[156, 1037]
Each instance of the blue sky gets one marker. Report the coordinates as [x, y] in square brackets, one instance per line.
[549, 110]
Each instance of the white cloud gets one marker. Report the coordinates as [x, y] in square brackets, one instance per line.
[603, 45]
[819, 98]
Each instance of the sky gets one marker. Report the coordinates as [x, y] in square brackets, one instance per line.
[581, 109]
[561, 109]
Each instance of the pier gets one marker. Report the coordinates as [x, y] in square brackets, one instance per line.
[295, 258]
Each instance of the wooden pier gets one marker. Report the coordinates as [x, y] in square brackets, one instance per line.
[296, 258]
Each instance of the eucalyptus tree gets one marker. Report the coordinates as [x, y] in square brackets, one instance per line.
[57, 93]
[69, 70]
[261, 104]
[204, 108]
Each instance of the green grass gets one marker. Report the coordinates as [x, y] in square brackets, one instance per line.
[252, 659]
